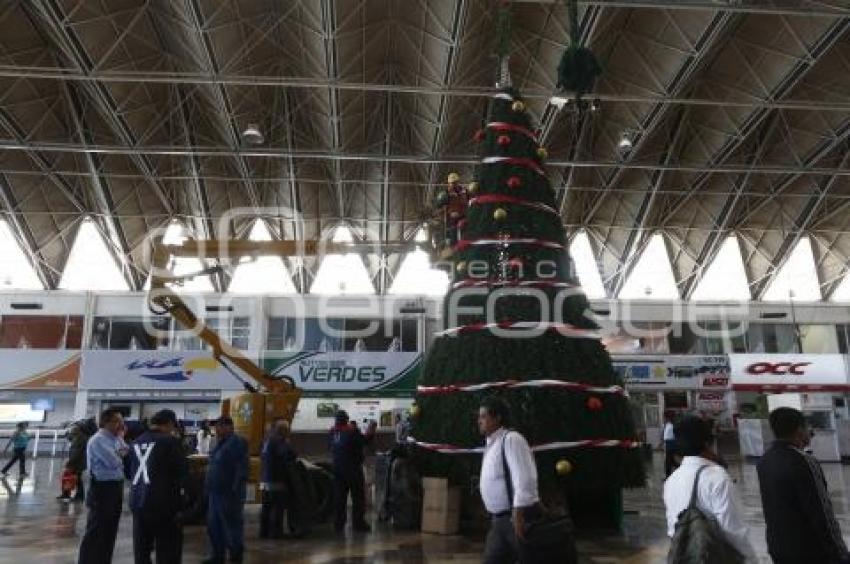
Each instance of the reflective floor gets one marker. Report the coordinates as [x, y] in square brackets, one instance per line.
[35, 527]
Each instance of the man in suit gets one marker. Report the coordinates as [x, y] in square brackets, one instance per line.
[801, 525]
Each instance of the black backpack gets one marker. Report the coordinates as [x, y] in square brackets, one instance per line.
[699, 539]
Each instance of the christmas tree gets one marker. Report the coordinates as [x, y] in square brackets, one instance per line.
[513, 275]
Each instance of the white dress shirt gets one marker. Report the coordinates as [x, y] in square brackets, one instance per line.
[716, 498]
[494, 490]
[204, 440]
[669, 435]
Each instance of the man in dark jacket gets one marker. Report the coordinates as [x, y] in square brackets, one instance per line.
[347, 445]
[227, 475]
[801, 525]
[277, 456]
[157, 473]
[78, 438]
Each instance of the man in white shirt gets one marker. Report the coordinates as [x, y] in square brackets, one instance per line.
[507, 515]
[716, 496]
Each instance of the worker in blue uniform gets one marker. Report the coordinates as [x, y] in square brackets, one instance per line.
[347, 444]
[227, 475]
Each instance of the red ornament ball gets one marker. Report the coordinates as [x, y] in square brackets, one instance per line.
[516, 263]
[479, 136]
[594, 403]
[503, 140]
[461, 224]
[514, 182]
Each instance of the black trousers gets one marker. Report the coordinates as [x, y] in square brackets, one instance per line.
[19, 455]
[669, 454]
[501, 546]
[271, 514]
[104, 502]
[349, 481]
[80, 494]
[157, 532]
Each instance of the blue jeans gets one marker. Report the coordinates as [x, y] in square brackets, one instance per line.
[225, 525]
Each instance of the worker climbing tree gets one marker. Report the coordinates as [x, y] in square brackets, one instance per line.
[517, 326]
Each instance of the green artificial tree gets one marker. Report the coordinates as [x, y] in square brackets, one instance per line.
[511, 258]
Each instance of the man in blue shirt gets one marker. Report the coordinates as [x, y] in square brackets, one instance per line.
[19, 442]
[105, 453]
[157, 473]
[227, 475]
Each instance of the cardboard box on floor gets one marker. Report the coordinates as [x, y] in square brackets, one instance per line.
[440, 507]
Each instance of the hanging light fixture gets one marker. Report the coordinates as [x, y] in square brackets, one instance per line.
[626, 142]
[252, 135]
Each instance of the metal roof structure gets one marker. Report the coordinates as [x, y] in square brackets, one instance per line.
[131, 112]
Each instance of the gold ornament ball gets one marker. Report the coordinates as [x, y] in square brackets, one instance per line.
[453, 178]
[415, 411]
[542, 153]
[563, 467]
[518, 106]
[472, 188]
[461, 266]
[500, 214]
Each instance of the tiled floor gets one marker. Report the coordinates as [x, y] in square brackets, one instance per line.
[34, 527]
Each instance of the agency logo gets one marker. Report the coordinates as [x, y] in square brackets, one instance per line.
[778, 368]
[177, 369]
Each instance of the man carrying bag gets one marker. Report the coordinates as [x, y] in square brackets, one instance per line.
[520, 530]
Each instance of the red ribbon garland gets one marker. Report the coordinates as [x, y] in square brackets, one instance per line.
[505, 199]
[471, 282]
[517, 161]
[504, 126]
[464, 244]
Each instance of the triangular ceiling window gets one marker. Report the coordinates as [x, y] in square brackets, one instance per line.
[725, 278]
[16, 272]
[90, 266]
[842, 292]
[342, 274]
[415, 276]
[652, 277]
[265, 275]
[585, 264]
[797, 280]
[175, 234]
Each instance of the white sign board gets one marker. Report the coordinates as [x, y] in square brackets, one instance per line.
[154, 370]
[789, 372]
[38, 369]
[349, 371]
[691, 372]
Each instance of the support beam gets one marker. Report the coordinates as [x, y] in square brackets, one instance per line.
[26, 240]
[471, 160]
[48, 18]
[199, 79]
[224, 115]
[119, 247]
[383, 272]
[629, 256]
[204, 225]
[838, 30]
[722, 224]
[712, 36]
[458, 25]
[332, 69]
[798, 231]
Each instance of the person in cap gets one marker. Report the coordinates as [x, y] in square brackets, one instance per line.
[347, 444]
[227, 475]
[157, 473]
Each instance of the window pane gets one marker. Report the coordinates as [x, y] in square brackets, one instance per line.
[409, 335]
[74, 333]
[241, 332]
[276, 336]
[819, 339]
[32, 331]
[682, 339]
[136, 333]
[771, 338]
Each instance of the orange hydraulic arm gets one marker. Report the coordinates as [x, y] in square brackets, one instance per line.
[164, 300]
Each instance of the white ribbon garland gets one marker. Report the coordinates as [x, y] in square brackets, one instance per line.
[452, 388]
[594, 443]
[562, 328]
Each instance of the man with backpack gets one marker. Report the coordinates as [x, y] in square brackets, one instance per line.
[704, 515]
